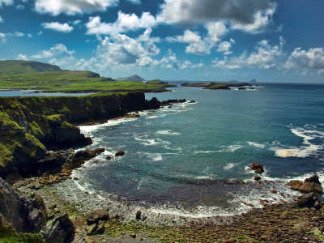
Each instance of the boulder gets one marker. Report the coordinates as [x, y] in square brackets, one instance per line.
[120, 153]
[96, 229]
[26, 214]
[88, 154]
[96, 216]
[258, 168]
[140, 216]
[310, 200]
[59, 230]
[311, 184]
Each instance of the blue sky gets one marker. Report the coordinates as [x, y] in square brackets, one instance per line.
[267, 40]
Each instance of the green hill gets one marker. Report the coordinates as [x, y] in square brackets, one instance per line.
[19, 67]
[24, 75]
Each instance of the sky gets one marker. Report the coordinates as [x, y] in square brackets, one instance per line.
[199, 40]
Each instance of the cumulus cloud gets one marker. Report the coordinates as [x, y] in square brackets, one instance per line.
[198, 44]
[265, 56]
[306, 60]
[226, 46]
[56, 26]
[56, 7]
[124, 22]
[2, 37]
[5, 2]
[247, 15]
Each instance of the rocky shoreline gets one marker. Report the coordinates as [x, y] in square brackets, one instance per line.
[32, 211]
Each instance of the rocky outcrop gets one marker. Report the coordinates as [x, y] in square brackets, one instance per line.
[30, 126]
[59, 230]
[311, 184]
[26, 214]
[258, 168]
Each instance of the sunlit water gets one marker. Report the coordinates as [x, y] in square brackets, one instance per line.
[176, 158]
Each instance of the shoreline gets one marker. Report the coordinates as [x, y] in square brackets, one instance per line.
[138, 227]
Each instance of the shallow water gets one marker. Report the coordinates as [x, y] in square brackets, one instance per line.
[177, 158]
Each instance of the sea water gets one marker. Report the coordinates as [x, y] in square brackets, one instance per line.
[190, 159]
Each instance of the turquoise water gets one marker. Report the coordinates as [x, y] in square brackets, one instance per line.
[178, 157]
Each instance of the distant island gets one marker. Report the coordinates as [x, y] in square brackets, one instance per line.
[134, 78]
[220, 85]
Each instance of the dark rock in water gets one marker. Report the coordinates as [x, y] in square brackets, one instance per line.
[120, 153]
[258, 168]
[88, 154]
[140, 216]
[311, 184]
[154, 103]
[96, 216]
[59, 230]
[109, 157]
[26, 214]
[257, 178]
[192, 101]
[311, 200]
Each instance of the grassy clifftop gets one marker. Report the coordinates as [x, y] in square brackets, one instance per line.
[41, 76]
[31, 125]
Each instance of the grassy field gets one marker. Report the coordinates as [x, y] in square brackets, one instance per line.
[72, 81]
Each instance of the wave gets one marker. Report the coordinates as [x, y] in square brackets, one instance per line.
[230, 148]
[89, 129]
[229, 166]
[167, 132]
[256, 145]
[308, 148]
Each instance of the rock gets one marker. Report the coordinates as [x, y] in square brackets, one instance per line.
[96, 216]
[311, 200]
[59, 230]
[140, 216]
[192, 101]
[258, 168]
[96, 229]
[26, 214]
[88, 154]
[311, 184]
[109, 157]
[257, 178]
[120, 153]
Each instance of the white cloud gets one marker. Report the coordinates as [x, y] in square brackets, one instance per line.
[1, 19]
[265, 56]
[2, 37]
[198, 44]
[306, 60]
[72, 7]
[247, 15]
[22, 57]
[171, 61]
[56, 26]
[124, 22]
[225, 47]
[5, 2]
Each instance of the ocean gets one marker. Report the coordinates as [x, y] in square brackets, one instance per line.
[189, 160]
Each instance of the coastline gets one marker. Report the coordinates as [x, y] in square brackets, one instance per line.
[237, 227]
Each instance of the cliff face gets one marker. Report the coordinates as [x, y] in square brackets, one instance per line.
[31, 125]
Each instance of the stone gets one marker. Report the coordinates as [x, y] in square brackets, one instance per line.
[59, 230]
[258, 168]
[109, 157]
[96, 229]
[311, 200]
[257, 178]
[120, 153]
[311, 184]
[140, 216]
[96, 216]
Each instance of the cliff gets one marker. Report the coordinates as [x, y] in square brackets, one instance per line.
[29, 126]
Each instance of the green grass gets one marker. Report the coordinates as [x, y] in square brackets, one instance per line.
[72, 81]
